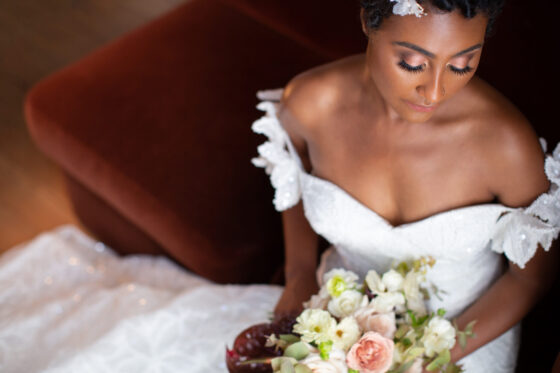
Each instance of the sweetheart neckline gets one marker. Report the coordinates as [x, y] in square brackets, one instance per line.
[407, 224]
[302, 171]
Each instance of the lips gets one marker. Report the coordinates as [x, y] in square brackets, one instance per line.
[421, 108]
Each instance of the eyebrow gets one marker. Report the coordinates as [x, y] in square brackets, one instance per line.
[430, 54]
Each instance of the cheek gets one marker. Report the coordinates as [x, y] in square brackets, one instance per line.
[391, 80]
[454, 84]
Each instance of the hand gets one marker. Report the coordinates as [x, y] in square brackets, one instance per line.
[297, 290]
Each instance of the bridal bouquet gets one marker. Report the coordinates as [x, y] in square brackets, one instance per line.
[377, 326]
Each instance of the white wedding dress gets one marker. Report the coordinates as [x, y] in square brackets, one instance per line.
[68, 304]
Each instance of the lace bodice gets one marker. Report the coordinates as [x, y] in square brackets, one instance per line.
[348, 224]
[466, 242]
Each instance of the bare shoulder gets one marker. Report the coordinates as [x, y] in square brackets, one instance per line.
[315, 94]
[311, 97]
[511, 147]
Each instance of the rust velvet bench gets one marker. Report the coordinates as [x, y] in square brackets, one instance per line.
[153, 130]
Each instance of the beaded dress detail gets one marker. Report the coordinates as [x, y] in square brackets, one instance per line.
[466, 242]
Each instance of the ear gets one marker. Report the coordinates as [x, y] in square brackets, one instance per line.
[365, 29]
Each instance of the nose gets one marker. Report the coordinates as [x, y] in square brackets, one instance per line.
[432, 89]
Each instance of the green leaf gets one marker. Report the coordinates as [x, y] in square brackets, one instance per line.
[443, 358]
[287, 367]
[403, 268]
[277, 362]
[462, 340]
[414, 352]
[452, 368]
[300, 368]
[353, 370]
[402, 368]
[441, 312]
[325, 349]
[298, 350]
[406, 342]
[401, 331]
[469, 328]
[263, 360]
[290, 338]
[412, 317]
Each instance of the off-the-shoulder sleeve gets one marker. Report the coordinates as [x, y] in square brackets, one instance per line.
[519, 232]
[277, 155]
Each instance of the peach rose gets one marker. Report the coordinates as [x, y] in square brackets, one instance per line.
[382, 323]
[373, 353]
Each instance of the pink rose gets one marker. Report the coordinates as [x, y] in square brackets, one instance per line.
[373, 353]
[382, 323]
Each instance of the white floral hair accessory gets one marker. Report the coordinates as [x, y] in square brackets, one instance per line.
[406, 7]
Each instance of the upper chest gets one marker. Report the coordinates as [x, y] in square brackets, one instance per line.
[404, 174]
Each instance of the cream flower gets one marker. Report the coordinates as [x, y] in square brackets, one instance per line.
[315, 326]
[317, 302]
[374, 283]
[388, 302]
[337, 281]
[346, 333]
[345, 304]
[414, 298]
[335, 364]
[439, 335]
[392, 280]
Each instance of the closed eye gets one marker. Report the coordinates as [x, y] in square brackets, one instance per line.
[463, 71]
[414, 69]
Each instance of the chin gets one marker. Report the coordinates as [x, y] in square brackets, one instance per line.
[415, 116]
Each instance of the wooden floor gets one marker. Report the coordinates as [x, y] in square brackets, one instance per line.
[36, 38]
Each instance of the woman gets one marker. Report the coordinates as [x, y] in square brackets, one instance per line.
[405, 142]
[411, 155]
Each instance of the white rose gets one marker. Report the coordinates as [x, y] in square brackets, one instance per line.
[392, 280]
[346, 333]
[345, 305]
[348, 276]
[374, 283]
[337, 281]
[388, 302]
[439, 335]
[317, 302]
[414, 298]
[335, 364]
[315, 326]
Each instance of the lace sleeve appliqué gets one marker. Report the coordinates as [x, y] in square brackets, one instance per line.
[276, 157]
[519, 232]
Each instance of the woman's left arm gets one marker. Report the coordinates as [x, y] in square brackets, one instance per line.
[509, 299]
[517, 179]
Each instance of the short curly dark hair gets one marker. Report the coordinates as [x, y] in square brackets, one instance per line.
[375, 11]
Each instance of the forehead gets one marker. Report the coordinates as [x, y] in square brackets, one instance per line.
[437, 32]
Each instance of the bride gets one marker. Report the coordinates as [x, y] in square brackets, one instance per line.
[412, 154]
[397, 153]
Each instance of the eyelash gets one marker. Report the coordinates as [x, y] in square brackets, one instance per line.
[413, 69]
[418, 69]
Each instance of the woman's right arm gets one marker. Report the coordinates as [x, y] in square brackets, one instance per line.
[300, 242]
